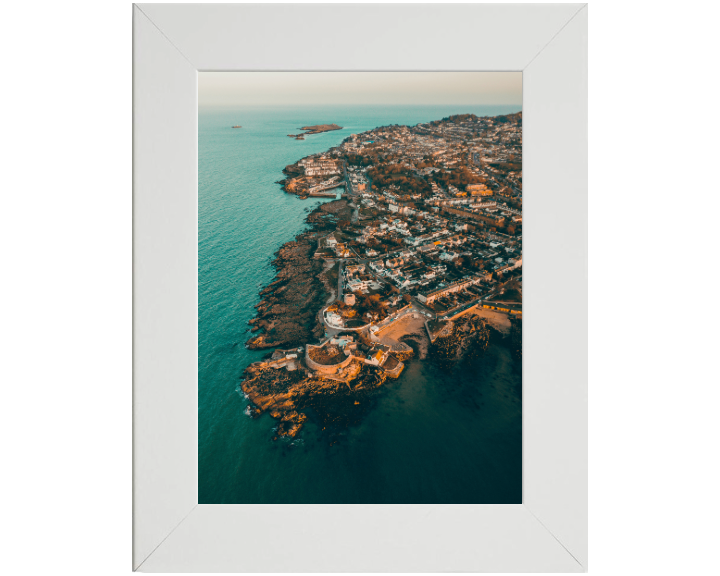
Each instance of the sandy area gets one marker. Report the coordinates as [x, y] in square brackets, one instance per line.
[405, 326]
[498, 320]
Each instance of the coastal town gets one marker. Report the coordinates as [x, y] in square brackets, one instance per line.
[421, 252]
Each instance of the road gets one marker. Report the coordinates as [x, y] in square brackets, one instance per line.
[385, 329]
[340, 279]
[493, 183]
[459, 309]
[351, 195]
[328, 331]
[495, 291]
[423, 309]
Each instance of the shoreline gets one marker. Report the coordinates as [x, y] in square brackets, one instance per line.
[498, 320]
[286, 314]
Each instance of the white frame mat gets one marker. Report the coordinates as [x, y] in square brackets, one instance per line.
[548, 532]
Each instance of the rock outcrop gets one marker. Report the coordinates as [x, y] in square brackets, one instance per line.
[288, 396]
[465, 336]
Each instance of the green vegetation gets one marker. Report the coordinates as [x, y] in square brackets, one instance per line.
[401, 176]
[506, 166]
[369, 303]
[459, 177]
[332, 274]
[456, 119]
[510, 295]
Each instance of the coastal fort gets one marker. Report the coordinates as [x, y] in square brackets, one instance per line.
[421, 255]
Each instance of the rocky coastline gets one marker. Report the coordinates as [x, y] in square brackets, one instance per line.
[293, 396]
[287, 317]
[292, 171]
[287, 314]
[290, 396]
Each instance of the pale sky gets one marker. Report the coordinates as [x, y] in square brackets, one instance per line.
[298, 88]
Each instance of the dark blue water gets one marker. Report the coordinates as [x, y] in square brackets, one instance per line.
[434, 436]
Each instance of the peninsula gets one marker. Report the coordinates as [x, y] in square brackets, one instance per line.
[420, 256]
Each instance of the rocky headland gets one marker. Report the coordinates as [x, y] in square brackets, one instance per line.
[290, 396]
[293, 394]
[287, 386]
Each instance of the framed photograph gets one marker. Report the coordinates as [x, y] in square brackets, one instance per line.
[360, 288]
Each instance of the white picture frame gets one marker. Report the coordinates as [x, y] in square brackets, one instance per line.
[548, 531]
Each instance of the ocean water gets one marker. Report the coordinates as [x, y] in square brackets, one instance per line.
[434, 435]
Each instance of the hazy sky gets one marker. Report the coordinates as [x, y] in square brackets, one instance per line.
[237, 88]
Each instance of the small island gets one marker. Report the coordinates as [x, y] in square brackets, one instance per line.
[317, 129]
[238, 126]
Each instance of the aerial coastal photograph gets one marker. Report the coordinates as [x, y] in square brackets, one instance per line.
[360, 287]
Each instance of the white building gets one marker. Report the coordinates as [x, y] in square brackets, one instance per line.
[356, 284]
[334, 319]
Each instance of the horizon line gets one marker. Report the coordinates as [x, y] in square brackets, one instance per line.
[266, 105]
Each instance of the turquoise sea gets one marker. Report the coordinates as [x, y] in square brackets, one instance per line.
[434, 436]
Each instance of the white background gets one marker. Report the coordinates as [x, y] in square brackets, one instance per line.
[66, 288]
